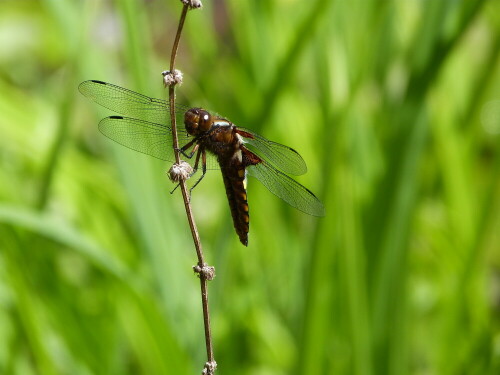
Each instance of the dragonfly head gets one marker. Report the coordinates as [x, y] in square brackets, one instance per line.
[197, 121]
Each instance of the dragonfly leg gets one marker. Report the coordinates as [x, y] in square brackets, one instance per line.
[203, 167]
[187, 146]
[175, 188]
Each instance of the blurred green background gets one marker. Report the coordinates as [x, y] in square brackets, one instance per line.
[394, 105]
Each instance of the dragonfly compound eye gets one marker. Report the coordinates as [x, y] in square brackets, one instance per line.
[191, 121]
[205, 121]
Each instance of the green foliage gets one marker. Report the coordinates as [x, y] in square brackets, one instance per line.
[383, 100]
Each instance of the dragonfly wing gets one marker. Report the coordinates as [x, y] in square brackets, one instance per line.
[148, 138]
[287, 189]
[282, 157]
[143, 136]
[129, 103]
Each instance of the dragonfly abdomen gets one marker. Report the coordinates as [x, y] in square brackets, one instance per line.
[234, 181]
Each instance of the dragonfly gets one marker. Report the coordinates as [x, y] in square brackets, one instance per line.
[236, 151]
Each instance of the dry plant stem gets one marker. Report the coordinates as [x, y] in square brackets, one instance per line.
[178, 36]
[171, 94]
[185, 196]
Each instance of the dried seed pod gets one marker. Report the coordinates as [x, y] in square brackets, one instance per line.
[180, 172]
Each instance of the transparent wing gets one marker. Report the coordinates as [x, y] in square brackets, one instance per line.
[129, 103]
[280, 156]
[143, 136]
[287, 189]
[147, 137]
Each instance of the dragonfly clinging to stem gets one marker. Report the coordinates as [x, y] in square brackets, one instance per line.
[213, 140]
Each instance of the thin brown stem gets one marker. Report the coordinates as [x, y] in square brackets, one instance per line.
[175, 47]
[205, 273]
[171, 88]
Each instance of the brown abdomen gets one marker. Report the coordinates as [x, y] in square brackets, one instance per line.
[234, 177]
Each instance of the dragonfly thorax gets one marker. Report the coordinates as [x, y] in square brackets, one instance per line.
[197, 121]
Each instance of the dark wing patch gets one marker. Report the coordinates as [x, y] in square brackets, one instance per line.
[280, 156]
